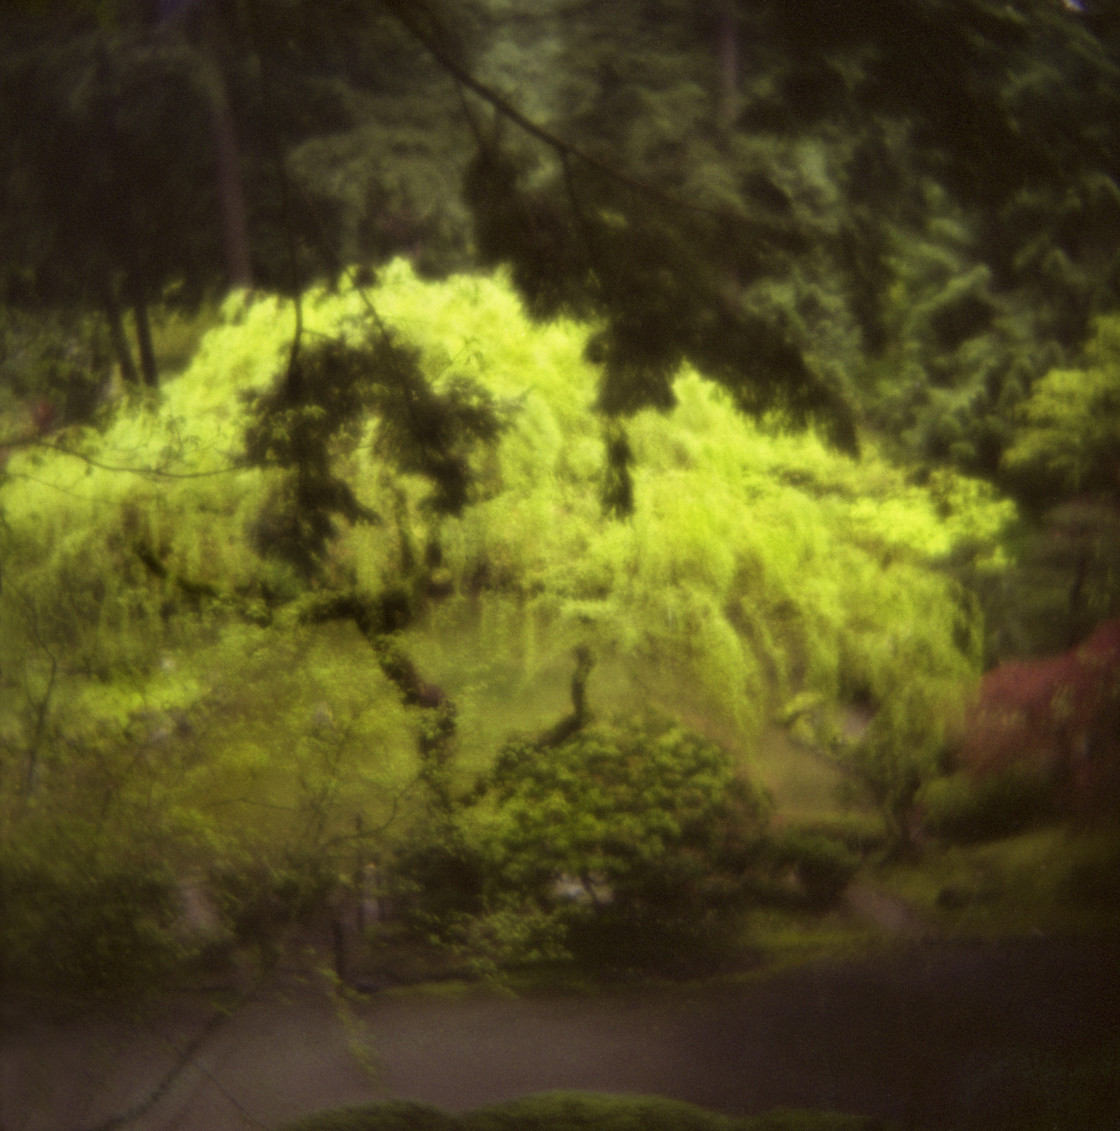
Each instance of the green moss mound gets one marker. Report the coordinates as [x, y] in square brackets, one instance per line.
[392, 1116]
[575, 1111]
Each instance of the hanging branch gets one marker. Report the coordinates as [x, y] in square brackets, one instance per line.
[669, 289]
[405, 12]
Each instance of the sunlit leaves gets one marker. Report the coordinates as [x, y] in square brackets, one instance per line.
[197, 680]
[628, 803]
[1070, 424]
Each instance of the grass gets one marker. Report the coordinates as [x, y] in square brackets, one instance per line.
[1057, 879]
[804, 785]
[780, 938]
[574, 1111]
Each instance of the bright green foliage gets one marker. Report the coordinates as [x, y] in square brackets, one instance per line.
[1070, 431]
[755, 561]
[903, 748]
[651, 810]
[158, 669]
[1064, 460]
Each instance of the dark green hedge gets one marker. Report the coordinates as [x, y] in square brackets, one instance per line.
[574, 1111]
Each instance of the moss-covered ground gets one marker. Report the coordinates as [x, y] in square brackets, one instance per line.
[574, 1111]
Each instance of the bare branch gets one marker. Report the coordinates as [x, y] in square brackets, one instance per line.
[156, 472]
[405, 12]
[186, 1059]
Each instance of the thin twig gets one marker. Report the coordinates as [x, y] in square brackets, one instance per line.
[184, 1061]
[404, 13]
[157, 472]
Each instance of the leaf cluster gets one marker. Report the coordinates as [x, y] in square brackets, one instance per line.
[645, 808]
[1069, 427]
[648, 274]
[321, 404]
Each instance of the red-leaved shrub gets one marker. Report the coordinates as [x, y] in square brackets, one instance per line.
[1059, 715]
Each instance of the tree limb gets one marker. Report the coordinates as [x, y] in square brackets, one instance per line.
[404, 11]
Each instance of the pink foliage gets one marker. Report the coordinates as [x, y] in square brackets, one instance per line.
[1059, 714]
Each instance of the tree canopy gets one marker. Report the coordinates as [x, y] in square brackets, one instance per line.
[798, 201]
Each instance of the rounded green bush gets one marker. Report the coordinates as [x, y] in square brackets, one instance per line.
[391, 1116]
[966, 809]
[823, 864]
[575, 1111]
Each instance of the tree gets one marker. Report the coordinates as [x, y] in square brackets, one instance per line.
[1068, 439]
[774, 244]
[809, 269]
[1056, 719]
[105, 140]
[746, 187]
[1064, 459]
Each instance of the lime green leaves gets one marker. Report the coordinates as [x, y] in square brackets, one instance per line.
[1070, 430]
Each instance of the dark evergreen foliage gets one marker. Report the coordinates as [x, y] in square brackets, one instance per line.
[902, 213]
[318, 406]
[105, 138]
[294, 427]
[662, 277]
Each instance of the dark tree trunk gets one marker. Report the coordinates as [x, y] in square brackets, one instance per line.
[234, 225]
[148, 370]
[227, 160]
[42, 711]
[117, 335]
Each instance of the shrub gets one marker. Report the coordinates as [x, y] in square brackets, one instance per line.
[824, 865]
[966, 808]
[435, 879]
[576, 1111]
[1093, 878]
[86, 926]
[391, 1116]
[645, 820]
[861, 833]
[1059, 716]
[259, 900]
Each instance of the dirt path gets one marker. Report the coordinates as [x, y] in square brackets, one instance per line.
[935, 1036]
[889, 914]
